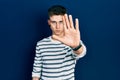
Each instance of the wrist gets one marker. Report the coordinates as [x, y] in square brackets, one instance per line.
[78, 47]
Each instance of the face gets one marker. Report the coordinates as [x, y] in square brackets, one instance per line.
[56, 25]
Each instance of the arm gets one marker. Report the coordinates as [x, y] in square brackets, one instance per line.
[79, 51]
[37, 64]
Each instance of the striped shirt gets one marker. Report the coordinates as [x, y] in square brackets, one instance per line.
[55, 60]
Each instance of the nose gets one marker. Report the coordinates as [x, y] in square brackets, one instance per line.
[57, 26]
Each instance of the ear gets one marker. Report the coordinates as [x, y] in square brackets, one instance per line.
[48, 22]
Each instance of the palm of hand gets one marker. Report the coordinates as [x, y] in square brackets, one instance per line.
[71, 38]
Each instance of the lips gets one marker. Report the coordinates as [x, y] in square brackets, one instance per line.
[57, 30]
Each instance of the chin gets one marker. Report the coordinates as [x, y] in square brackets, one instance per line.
[58, 34]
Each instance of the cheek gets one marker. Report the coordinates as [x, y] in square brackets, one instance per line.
[61, 26]
[52, 27]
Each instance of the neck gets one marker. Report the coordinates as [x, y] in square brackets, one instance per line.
[53, 38]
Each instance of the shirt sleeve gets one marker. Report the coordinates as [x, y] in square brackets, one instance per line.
[37, 63]
[82, 54]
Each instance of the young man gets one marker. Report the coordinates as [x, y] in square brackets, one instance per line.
[56, 55]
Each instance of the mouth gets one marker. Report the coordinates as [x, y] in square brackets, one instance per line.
[57, 30]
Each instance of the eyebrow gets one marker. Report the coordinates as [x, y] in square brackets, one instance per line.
[56, 21]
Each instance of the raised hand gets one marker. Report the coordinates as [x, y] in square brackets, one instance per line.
[71, 35]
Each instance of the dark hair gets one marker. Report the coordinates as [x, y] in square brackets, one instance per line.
[56, 10]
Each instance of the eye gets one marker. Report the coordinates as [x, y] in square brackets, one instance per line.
[61, 22]
[53, 22]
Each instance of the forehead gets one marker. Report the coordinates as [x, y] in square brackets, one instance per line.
[56, 17]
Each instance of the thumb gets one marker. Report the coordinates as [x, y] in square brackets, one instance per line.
[57, 38]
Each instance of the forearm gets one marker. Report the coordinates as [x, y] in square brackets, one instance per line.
[35, 78]
[81, 50]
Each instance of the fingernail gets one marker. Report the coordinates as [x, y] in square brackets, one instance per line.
[70, 15]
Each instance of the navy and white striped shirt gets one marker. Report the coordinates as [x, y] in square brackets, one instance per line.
[55, 60]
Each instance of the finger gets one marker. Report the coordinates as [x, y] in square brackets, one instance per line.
[64, 23]
[77, 24]
[67, 21]
[71, 21]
